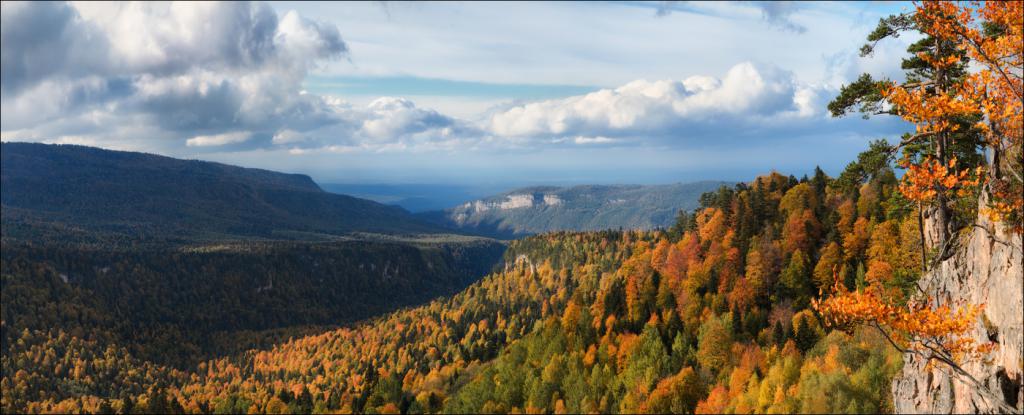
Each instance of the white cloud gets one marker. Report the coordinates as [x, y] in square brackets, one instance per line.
[388, 117]
[746, 95]
[189, 79]
[386, 124]
[336, 149]
[182, 69]
[218, 139]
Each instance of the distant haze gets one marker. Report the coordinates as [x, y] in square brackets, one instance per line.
[416, 197]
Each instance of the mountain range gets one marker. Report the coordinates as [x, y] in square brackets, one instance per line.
[235, 298]
[175, 256]
[541, 209]
[63, 192]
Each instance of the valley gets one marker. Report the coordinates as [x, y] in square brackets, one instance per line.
[511, 207]
[606, 321]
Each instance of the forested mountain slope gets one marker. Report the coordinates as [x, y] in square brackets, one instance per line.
[170, 305]
[180, 260]
[75, 193]
[581, 208]
[866, 293]
[712, 315]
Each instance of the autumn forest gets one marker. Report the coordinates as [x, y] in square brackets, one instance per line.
[778, 294]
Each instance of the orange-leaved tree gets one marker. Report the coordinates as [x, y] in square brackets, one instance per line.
[963, 94]
[988, 34]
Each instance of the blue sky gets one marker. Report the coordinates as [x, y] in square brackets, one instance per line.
[451, 92]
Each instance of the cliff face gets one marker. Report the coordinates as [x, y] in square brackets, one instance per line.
[985, 269]
[582, 208]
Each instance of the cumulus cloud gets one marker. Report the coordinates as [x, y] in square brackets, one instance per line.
[747, 96]
[41, 40]
[191, 77]
[187, 79]
[385, 124]
[186, 70]
[390, 117]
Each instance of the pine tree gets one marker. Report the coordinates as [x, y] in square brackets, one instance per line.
[779, 333]
[805, 335]
[795, 280]
[737, 321]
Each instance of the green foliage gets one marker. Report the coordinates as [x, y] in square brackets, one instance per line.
[574, 322]
[870, 163]
[714, 341]
[805, 335]
[863, 95]
[888, 27]
[795, 281]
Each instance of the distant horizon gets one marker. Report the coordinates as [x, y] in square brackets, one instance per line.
[510, 93]
[509, 184]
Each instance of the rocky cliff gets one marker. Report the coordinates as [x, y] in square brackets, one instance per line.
[583, 208]
[984, 269]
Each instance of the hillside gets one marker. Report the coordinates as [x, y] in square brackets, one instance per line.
[64, 192]
[712, 315]
[455, 265]
[543, 209]
[171, 305]
[175, 258]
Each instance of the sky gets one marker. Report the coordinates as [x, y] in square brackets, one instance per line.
[451, 92]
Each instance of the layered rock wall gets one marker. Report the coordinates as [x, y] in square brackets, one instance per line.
[986, 268]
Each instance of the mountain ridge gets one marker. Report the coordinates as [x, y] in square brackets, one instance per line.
[52, 190]
[538, 209]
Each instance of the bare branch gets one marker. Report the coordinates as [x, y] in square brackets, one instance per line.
[914, 138]
[917, 84]
[938, 355]
[992, 235]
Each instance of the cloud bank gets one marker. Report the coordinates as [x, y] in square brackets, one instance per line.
[202, 78]
[745, 96]
[182, 69]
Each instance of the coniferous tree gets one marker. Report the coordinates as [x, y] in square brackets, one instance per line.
[779, 334]
[805, 335]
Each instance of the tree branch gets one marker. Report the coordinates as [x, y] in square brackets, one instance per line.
[995, 63]
[992, 235]
[986, 393]
[913, 138]
[917, 84]
[1009, 167]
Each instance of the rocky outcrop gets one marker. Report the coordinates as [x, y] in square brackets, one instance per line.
[984, 269]
[581, 208]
